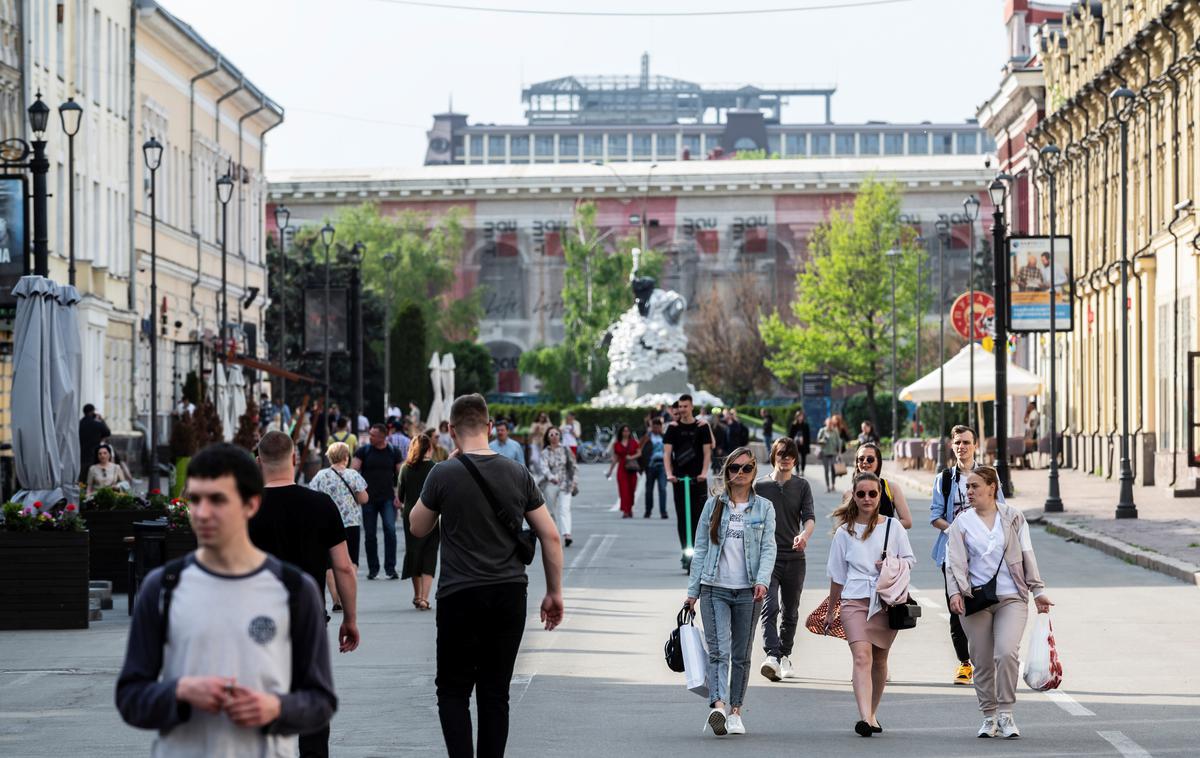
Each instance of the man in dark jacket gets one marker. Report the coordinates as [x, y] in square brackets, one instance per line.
[737, 432]
[92, 431]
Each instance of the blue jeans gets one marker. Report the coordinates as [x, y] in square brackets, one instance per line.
[729, 617]
[372, 511]
[656, 474]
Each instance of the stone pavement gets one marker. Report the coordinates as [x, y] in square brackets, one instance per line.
[1165, 537]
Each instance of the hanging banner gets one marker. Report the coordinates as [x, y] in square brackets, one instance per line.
[315, 319]
[984, 311]
[14, 242]
[1029, 277]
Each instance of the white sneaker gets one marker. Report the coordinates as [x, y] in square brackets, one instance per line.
[716, 722]
[989, 727]
[785, 664]
[734, 724]
[1006, 728]
[771, 668]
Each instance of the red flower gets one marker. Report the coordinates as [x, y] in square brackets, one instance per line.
[70, 507]
[37, 503]
[155, 492]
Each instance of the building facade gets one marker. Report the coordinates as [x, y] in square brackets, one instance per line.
[713, 219]
[1148, 46]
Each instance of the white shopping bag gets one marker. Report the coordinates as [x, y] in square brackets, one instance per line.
[695, 659]
[1043, 671]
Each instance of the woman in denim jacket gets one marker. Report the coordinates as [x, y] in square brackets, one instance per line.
[731, 570]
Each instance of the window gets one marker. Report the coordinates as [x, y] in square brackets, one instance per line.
[797, 144]
[568, 147]
[518, 145]
[773, 145]
[989, 144]
[496, 146]
[845, 144]
[666, 146]
[543, 145]
[618, 146]
[966, 143]
[593, 146]
[691, 143]
[918, 143]
[642, 145]
[820, 145]
[893, 144]
[476, 145]
[943, 143]
[94, 57]
[868, 144]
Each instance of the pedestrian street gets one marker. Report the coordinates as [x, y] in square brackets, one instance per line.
[598, 685]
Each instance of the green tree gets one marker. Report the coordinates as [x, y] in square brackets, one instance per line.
[410, 359]
[842, 312]
[595, 293]
[473, 370]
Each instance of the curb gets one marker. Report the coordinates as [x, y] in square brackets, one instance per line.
[1188, 573]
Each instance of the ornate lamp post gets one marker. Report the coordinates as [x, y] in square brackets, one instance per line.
[971, 209]
[893, 255]
[224, 193]
[943, 235]
[152, 151]
[282, 216]
[327, 232]
[39, 115]
[1051, 162]
[388, 260]
[70, 114]
[998, 192]
[1122, 100]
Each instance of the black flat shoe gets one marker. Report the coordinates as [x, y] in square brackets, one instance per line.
[863, 729]
[567, 541]
[877, 729]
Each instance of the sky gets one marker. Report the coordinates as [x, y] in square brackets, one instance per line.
[361, 79]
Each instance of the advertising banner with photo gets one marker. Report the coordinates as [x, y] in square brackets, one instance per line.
[14, 242]
[315, 320]
[1029, 280]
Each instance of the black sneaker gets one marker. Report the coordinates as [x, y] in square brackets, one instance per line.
[373, 575]
[393, 575]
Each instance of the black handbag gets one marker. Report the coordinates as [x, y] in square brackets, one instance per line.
[526, 540]
[902, 615]
[983, 596]
[673, 649]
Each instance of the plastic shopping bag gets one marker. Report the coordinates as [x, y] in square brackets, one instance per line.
[1043, 671]
[695, 659]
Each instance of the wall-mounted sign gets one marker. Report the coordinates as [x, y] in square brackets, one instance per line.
[14, 239]
[815, 385]
[1029, 279]
[984, 311]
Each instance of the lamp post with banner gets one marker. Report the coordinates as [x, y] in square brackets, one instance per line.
[971, 209]
[282, 216]
[998, 192]
[1122, 100]
[1051, 162]
[943, 234]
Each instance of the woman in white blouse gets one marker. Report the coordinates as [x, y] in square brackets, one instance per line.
[854, 561]
[106, 472]
[989, 552]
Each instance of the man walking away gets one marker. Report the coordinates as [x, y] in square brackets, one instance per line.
[379, 463]
[241, 681]
[304, 527]
[482, 589]
[656, 475]
[950, 500]
[343, 433]
[687, 452]
[92, 431]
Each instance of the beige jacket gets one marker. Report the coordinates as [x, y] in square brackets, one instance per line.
[1022, 563]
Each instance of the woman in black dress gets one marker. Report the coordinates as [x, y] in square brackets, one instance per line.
[420, 554]
[802, 434]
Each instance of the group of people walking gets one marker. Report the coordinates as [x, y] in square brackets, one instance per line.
[750, 564]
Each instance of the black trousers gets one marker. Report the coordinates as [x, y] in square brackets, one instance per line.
[315, 745]
[699, 495]
[478, 635]
[957, 635]
[787, 581]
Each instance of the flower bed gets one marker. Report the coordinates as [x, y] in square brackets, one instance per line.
[110, 516]
[43, 569]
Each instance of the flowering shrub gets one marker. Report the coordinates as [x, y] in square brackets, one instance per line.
[109, 499]
[157, 499]
[19, 518]
[177, 515]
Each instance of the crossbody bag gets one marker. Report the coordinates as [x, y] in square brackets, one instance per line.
[526, 540]
[902, 615]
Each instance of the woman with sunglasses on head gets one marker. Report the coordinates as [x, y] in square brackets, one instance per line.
[855, 558]
[730, 572]
[989, 550]
[892, 501]
[557, 481]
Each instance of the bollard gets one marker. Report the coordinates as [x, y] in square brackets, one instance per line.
[105, 588]
[94, 612]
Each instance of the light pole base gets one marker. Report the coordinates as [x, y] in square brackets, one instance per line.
[1053, 505]
[1126, 508]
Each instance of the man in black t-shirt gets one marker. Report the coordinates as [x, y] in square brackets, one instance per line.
[687, 452]
[304, 528]
[379, 463]
[482, 588]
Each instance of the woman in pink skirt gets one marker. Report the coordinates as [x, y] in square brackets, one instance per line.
[854, 561]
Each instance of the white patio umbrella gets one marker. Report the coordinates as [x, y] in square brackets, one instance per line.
[435, 416]
[957, 370]
[236, 404]
[447, 384]
[221, 382]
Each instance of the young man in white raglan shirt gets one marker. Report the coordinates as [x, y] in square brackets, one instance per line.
[241, 681]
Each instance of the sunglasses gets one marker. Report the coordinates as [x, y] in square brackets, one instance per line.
[867, 493]
[744, 468]
[866, 459]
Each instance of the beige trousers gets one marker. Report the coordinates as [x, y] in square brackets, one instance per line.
[994, 635]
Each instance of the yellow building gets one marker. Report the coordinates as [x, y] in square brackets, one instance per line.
[1149, 47]
[210, 120]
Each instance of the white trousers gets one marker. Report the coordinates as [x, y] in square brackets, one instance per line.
[558, 501]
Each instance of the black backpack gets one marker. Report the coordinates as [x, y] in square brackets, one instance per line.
[948, 483]
[673, 649]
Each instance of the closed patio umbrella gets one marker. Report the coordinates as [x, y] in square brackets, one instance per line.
[37, 458]
[64, 397]
[447, 384]
[435, 415]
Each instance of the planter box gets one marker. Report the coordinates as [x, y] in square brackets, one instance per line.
[109, 557]
[180, 542]
[43, 580]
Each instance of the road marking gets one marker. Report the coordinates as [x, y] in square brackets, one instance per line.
[931, 604]
[1124, 745]
[594, 550]
[1067, 703]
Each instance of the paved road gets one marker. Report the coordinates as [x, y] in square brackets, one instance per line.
[598, 685]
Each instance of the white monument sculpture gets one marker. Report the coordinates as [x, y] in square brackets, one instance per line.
[646, 361]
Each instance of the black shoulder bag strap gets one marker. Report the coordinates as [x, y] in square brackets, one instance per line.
[505, 517]
[887, 532]
[170, 580]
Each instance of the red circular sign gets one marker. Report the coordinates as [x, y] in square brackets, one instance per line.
[985, 315]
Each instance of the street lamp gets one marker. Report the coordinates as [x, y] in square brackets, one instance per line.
[388, 260]
[224, 193]
[39, 166]
[1122, 100]
[357, 253]
[892, 255]
[971, 209]
[70, 114]
[1051, 162]
[327, 240]
[943, 234]
[998, 192]
[282, 216]
[152, 151]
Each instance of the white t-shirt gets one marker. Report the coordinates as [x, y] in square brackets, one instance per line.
[985, 552]
[570, 435]
[852, 560]
[731, 569]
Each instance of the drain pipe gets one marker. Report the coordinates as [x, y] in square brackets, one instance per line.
[1181, 210]
[194, 231]
[242, 177]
